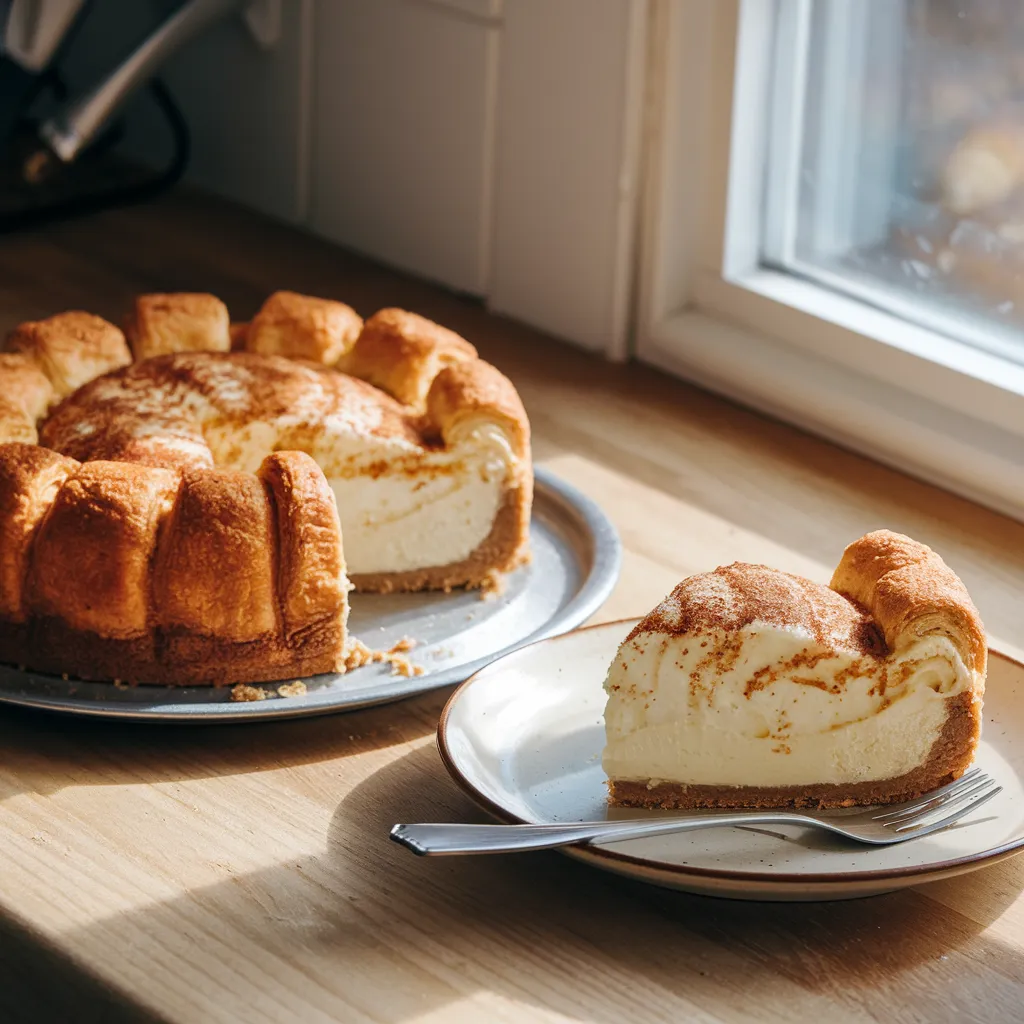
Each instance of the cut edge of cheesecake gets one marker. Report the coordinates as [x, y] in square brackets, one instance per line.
[895, 585]
[950, 757]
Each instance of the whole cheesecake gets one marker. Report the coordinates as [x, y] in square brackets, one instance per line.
[178, 517]
[750, 687]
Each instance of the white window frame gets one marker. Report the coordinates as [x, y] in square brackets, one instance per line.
[911, 397]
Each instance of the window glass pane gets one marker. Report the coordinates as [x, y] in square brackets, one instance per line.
[896, 165]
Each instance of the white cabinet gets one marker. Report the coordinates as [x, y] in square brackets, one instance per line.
[402, 115]
[566, 175]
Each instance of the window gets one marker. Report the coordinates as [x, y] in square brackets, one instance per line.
[895, 168]
[835, 223]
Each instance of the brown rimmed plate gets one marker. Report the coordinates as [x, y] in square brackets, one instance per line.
[523, 737]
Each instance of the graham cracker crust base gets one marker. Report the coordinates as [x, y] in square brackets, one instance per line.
[502, 550]
[949, 758]
[169, 658]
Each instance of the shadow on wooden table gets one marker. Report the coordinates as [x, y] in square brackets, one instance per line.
[587, 936]
[367, 931]
[43, 752]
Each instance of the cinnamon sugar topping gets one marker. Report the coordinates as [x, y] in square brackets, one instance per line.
[740, 594]
[163, 406]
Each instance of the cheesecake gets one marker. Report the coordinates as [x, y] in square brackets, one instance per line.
[751, 687]
[191, 500]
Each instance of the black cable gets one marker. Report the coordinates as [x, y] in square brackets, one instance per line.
[127, 195]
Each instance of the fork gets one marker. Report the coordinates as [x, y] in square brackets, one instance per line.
[877, 826]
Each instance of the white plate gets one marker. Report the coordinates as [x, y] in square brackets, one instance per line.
[575, 564]
[524, 737]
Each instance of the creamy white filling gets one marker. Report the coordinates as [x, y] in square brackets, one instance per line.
[768, 706]
[436, 509]
[401, 508]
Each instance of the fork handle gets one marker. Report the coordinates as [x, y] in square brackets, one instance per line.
[444, 839]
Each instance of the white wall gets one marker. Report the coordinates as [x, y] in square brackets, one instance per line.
[489, 145]
[565, 190]
[403, 108]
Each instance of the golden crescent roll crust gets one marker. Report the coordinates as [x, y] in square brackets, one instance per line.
[30, 478]
[311, 582]
[214, 571]
[25, 385]
[303, 327]
[911, 593]
[16, 424]
[103, 523]
[177, 322]
[71, 348]
[135, 554]
[401, 353]
[465, 395]
[111, 570]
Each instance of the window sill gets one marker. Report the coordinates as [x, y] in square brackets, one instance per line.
[849, 395]
[869, 342]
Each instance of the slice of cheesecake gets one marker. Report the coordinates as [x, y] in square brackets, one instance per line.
[750, 687]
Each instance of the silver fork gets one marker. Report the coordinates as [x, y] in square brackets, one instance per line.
[878, 826]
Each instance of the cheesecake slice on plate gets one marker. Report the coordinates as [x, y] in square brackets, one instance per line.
[751, 687]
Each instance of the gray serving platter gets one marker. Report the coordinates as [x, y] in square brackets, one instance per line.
[576, 560]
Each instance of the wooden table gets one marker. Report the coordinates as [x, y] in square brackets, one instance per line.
[243, 873]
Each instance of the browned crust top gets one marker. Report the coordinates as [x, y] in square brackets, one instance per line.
[408, 335]
[191, 304]
[741, 594]
[311, 577]
[402, 353]
[303, 327]
[164, 322]
[887, 591]
[464, 394]
[30, 477]
[71, 348]
[911, 593]
[150, 412]
[406, 377]
[24, 385]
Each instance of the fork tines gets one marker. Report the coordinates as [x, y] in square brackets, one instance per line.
[956, 799]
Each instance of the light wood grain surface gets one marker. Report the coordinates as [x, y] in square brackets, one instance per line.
[243, 873]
